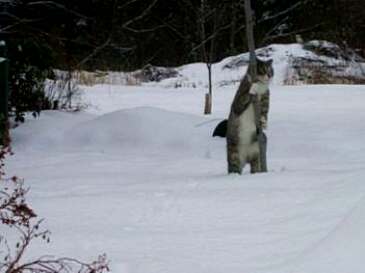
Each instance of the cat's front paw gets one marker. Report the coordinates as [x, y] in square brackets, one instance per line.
[258, 88]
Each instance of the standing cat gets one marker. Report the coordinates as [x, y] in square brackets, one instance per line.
[242, 140]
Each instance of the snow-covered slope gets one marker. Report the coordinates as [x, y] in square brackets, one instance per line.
[314, 61]
[230, 70]
[139, 177]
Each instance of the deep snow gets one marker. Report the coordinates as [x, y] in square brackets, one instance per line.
[138, 176]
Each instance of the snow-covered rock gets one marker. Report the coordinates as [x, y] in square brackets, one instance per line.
[311, 62]
[331, 50]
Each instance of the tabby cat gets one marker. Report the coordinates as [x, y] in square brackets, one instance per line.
[242, 140]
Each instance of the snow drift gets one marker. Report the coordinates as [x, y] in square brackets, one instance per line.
[142, 128]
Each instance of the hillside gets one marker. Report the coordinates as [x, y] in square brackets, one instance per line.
[314, 62]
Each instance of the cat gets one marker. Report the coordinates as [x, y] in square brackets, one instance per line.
[242, 137]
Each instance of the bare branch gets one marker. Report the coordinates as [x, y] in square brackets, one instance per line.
[286, 11]
[127, 4]
[125, 25]
[144, 30]
[176, 31]
[100, 48]
[18, 21]
[209, 38]
[58, 5]
[64, 265]
[282, 35]
[139, 17]
[273, 30]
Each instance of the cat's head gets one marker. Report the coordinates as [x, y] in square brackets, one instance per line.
[265, 70]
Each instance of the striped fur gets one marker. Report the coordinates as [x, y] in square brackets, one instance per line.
[242, 144]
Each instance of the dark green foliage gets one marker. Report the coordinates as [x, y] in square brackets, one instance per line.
[29, 67]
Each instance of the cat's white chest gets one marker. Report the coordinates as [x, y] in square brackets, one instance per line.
[247, 125]
[246, 132]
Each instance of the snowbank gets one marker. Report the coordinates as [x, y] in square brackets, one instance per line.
[142, 128]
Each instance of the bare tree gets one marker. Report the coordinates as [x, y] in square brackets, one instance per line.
[253, 73]
[209, 15]
[207, 56]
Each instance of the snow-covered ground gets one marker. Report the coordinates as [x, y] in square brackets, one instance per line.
[138, 176]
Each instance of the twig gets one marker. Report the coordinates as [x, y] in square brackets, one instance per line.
[139, 17]
[293, 7]
[303, 30]
[58, 5]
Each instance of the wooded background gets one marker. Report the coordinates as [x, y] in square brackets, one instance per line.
[128, 34]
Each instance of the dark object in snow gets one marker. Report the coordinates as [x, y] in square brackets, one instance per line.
[152, 73]
[331, 50]
[221, 129]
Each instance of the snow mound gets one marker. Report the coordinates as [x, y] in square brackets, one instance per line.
[145, 128]
[46, 133]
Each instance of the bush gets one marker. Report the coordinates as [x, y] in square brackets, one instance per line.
[30, 65]
[19, 221]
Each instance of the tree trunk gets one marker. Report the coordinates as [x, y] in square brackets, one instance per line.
[232, 36]
[209, 95]
[250, 39]
[208, 104]
[207, 59]
[253, 73]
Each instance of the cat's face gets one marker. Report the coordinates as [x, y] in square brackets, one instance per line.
[265, 70]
